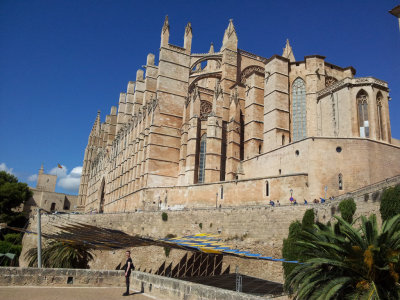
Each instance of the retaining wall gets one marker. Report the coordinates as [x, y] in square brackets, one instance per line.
[160, 287]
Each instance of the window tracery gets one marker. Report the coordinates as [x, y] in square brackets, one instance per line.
[379, 98]
[205, 109]
[329, 80]
[299, 110]
[363, 123]
[202, 158]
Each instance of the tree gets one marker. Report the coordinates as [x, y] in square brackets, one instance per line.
[308, 219]
[292, 251]
[12, 195]
[390, 202]
[347, 209]
[361, 262]
[61, 255]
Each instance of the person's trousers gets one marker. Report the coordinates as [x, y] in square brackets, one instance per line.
[127, 283]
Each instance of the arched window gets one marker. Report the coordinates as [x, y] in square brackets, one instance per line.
[362, 104]
[340, 182]
[202, 158]
[381, 134]
[299, 110]
[266, 188]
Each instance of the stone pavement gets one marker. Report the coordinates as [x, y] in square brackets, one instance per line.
[67, 293]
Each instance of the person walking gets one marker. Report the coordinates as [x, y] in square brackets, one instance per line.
[127, 267]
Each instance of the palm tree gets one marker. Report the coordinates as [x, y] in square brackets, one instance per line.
[61, 255]
[361, 263]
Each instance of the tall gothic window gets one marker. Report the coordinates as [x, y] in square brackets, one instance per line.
[362, 104]
[202, 158]
[379, 98]
[299, 110]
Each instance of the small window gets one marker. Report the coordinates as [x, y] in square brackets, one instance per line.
[338, 149]
[266, 188]
[283, 139]
[280, 171]
[259, 149]
[340, 182]
[297, 152]
[222, 192]
[53, 207]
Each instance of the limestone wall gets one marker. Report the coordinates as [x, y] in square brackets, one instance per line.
[157, 286]
[259, 229]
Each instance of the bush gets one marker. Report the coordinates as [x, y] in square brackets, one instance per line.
[201, 225]
[13, 238]
[347, 209]
[7, 247]
[164, 216]
[308, 219]
[390, 202]
[167, 250]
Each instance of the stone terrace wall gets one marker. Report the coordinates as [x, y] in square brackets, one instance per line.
[158, 286]
[259, 229]
[369, 191]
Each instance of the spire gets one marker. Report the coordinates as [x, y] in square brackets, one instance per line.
[288, 52]
[165, 33]
[188, 28]
[230, 38]
[211, 48]
[166, 24]
[96, 125]
[41, 170]
[187, 41]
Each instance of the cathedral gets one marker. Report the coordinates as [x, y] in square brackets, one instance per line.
[233, 128]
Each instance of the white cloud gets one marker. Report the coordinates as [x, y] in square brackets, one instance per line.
[33, 177]
[60, 172]
[68, 181]
[3, 167]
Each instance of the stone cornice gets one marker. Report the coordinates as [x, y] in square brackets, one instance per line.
[350, 82]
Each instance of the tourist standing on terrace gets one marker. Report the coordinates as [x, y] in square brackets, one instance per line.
[127, 267]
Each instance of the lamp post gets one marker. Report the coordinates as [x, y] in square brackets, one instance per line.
[39, 239]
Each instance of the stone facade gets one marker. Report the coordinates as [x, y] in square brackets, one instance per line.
[235, 128]
[258, 229]
[158, 287]
[45, 197]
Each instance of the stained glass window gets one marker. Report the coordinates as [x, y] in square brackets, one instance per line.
[363, 123]
[380, 123]
[299, 110]
[202, 158]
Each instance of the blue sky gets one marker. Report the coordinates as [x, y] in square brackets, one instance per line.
[61, 61]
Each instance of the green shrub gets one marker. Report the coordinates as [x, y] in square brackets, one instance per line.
[291, 251]
[170, 236]
[308, 219]
[164, 216]
[201, 225]
[167, 250]
[13, 238]
[390, 202]
[347, 209]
